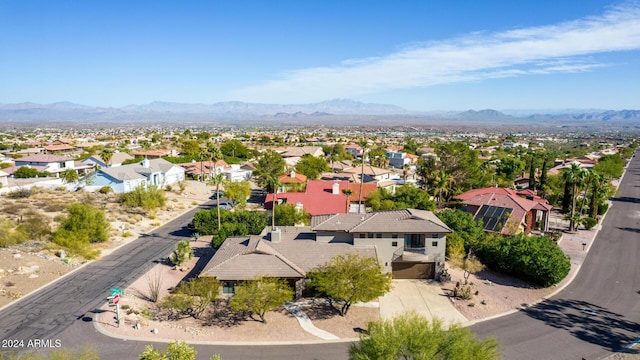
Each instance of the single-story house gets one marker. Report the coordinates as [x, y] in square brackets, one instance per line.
[126, 178]
[54, 164]
[116, 160]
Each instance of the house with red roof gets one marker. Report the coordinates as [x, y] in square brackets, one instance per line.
[324, 197]
[507, 211]
[292, 181]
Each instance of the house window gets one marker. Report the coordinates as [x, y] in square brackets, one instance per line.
[413, 241]
[378, 236]
[362, 235]
[228, 288]
[394, 243]
[370, 235]
[434, 243]
[394, 236]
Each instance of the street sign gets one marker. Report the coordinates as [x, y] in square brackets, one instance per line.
[115, 291]
[116, 299]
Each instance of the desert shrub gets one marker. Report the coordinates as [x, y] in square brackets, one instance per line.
[175, 350]
[203, 291]
[82, 226]
[25, 172]
[146, 197]
[20, 193]
[533, 258]
[35, 226]
[182, 253]
[10, 234]
[105, 190]
[588, 223]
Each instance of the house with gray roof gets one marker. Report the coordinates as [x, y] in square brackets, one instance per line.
[116, 160]
[126, 178]
[409, 244]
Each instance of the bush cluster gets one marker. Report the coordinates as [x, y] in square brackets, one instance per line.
[146, 197]
[237, 223]
[533, 258]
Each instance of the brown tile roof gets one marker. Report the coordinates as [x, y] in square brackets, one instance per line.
[244, 258]
[59, 147]
[414, 220]
[46, 158]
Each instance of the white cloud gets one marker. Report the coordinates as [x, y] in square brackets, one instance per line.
[560, 48]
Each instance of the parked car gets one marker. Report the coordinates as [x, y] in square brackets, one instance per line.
[226, 205]
[216, 194]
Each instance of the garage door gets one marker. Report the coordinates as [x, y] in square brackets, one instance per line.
[413, 270]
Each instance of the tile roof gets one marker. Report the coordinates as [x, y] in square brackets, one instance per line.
[319, 199]
[137, 171]
[46, 158]
[59, 147]
[292, 178]
[368, 170]
[244, 258]
[419, 221]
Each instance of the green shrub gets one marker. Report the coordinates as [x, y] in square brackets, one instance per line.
[533, 258]
[589, 223]
[146, 197]
[237, 223]
[82, 226]
[105, 190]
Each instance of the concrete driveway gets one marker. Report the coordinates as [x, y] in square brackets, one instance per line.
[422, 296]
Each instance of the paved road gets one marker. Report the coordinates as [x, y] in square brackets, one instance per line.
[599, 312]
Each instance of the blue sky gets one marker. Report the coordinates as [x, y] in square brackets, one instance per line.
[421, 55]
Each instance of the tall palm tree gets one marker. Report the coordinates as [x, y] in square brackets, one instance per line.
[106, 155]
[214, 154]
[217, 181]
[364, 144]
[145, 147]
[573, 177]
[203, 155]
[599, 185]
[273, 183]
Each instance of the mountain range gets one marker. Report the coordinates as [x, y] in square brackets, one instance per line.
[326, 112]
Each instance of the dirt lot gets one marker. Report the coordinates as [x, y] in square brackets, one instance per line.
[32, 264]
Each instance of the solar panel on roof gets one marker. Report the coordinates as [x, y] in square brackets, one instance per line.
[493, 217]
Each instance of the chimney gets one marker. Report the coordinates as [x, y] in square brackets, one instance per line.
[292, 174]
[335, 188]
[275, 235]
[145, 163]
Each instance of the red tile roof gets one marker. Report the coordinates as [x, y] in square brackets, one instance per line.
[292, 178]
[318, 198]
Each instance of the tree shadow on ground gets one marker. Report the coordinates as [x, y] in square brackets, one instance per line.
[626, 199]
[588, 322]
[499, 278]
[204, 255]
[320, 311]
[636, 230]
[221, 315]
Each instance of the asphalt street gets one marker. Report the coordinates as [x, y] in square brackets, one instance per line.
[599, 312]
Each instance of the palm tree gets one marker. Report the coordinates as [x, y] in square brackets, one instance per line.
[347, 192]
[273, 183]
[441, 185]
[405, 172]
[145, 147]
[214, 155]
[573, 178]
[218, 180]
[364, 144]
[69, 176]
[599, 185]
[106, 156]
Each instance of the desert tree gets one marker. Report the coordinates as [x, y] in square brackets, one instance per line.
[350, 278]
[260, 295]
